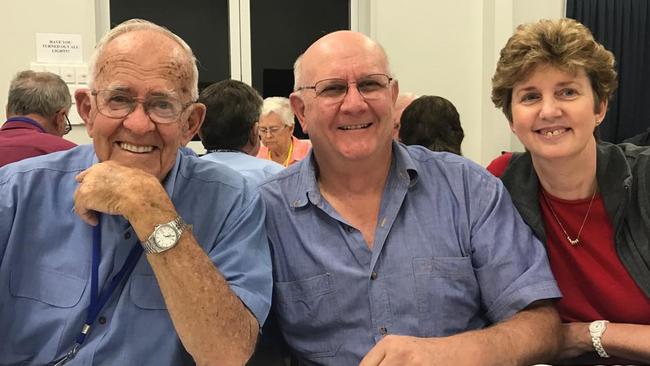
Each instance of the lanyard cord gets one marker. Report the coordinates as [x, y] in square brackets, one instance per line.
[97, 301]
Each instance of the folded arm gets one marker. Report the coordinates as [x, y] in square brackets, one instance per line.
[530, 336]
[213, 324]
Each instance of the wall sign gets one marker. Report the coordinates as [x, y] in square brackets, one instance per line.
[58, 48]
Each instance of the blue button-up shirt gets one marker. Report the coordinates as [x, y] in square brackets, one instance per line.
[451, 254]
[46, 252]
[254, 169]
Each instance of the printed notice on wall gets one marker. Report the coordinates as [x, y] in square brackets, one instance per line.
[58, 48]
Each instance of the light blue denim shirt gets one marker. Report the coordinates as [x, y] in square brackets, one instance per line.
[254, 169]
[451, 254]
[46, 252]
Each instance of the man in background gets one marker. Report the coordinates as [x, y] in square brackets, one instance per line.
[37, 117]
[229, 131]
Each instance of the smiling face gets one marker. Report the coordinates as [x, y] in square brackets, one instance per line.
[553, 113]
[142, 64]
[353, 129]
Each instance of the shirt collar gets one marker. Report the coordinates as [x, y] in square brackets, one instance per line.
[307, 189]
[9, 124]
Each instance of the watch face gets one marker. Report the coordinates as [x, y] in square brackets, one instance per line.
[165, 236]
[596, 326]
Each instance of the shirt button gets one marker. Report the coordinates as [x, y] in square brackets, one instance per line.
[349, 229]
[127, 235]
[373, 275]
[383, 330]
[102, 320]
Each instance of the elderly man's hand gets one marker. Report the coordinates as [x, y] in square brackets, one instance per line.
[413, 351]
[114, 189]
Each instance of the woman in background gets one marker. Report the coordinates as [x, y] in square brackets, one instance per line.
[588, 201]
[276, 131]
[433, 122]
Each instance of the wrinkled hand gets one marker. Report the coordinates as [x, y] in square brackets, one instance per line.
[576, 340]
[413, 351]
[114, 189]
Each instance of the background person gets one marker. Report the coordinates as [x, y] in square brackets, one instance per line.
[37, 117]
[229, 131]
[586, 200]
[432, 122]
[388, 254]
[276, 130]
[82, 287]
[403, 101]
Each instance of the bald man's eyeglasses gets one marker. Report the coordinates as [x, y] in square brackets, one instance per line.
[370, 87]
[118, 104]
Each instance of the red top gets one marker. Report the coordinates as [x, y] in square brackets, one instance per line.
[22, 138]
[499, 165]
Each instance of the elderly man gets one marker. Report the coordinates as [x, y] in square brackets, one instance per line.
[229, 132]
[37, 117]
[395, 255]
[75, 287]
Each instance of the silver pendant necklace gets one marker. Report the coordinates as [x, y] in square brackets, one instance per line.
[576, 241]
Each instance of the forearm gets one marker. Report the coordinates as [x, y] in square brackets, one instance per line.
[211, 321]
[628, 341]
[530, 336]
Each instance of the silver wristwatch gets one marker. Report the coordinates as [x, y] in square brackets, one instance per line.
[165, 236]
[596, 330]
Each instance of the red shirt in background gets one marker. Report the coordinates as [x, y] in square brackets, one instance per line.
[22, 138]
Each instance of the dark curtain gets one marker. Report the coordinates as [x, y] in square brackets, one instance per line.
[622, 27]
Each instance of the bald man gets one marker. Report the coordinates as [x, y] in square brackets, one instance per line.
[392, 255]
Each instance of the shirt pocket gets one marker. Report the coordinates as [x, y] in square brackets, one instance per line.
[308, 313]
[43, 302]
[447, 295]
[46, 286]
[145, 293]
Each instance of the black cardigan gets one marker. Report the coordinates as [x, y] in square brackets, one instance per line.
[623, 175]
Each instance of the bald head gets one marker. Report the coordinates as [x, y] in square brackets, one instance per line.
[337, 46]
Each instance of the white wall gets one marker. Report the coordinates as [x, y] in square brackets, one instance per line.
[439, 47]
[450, 48]
[22, 20]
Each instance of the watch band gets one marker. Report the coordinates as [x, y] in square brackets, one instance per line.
[596, 330]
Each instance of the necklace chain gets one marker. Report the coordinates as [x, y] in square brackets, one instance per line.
[576, 241]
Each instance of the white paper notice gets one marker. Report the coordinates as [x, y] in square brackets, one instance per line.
[58, 48]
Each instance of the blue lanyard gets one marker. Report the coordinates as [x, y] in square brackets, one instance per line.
[98, 300]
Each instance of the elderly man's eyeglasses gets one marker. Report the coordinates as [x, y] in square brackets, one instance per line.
[68, 125]
[118, 104]
[334, 90]
[271, 130]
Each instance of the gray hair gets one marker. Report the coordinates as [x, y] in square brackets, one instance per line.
[133, 25]
[279, 106]
[42, 93]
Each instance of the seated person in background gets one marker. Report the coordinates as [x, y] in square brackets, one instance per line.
[642, 139]
[37, 117]
[432, 122]
[391, 254]
[403, 101]
[81, 289]
[229, 131]
[276, 130]
[586, 200]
